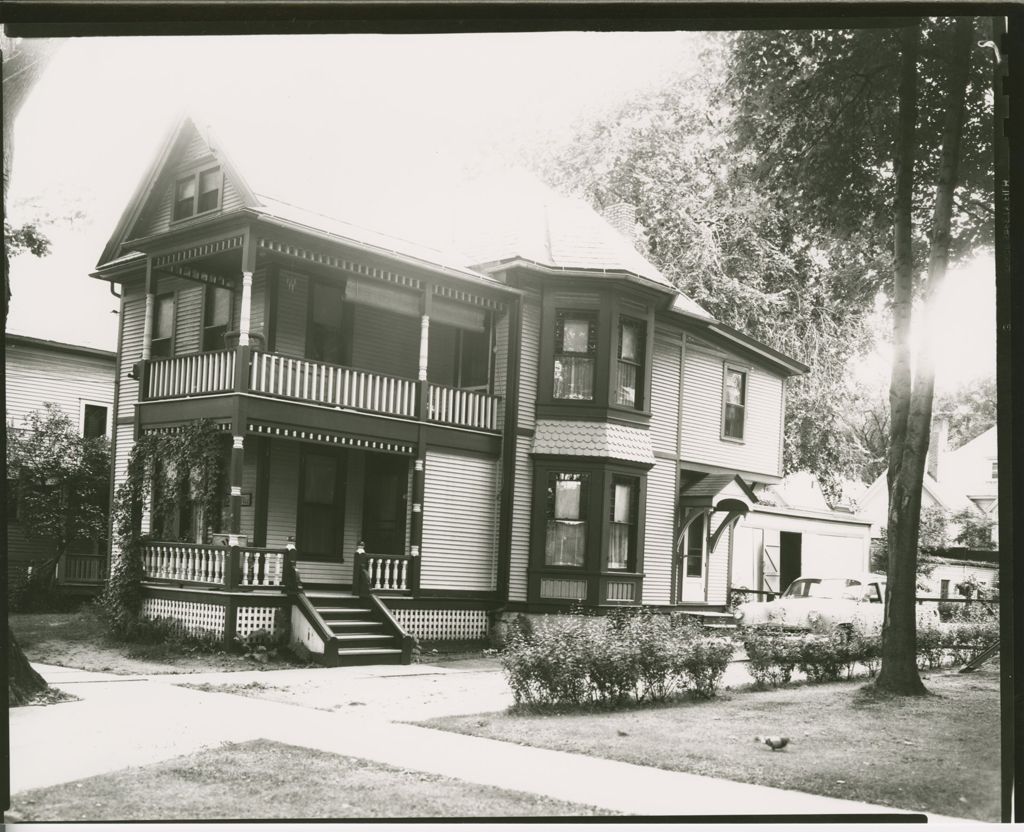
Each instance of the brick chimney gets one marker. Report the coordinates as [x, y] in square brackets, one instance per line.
[622, 217]
[938, 445]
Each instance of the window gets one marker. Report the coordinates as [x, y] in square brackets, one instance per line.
[995, 470]
[566, 536]
[630, 370]
[216, 317]
[163, 326]
[944, 588]
[575, 356]
[94, 421]
[328, 336]
[197, 193]
[622, 523]
[734, 403]
[695, 548]
[458, 357]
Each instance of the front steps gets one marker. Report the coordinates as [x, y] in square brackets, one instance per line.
[359, 634]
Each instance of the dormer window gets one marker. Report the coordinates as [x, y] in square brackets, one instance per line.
[197, 193]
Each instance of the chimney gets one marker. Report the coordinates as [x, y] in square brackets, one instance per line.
[937, 445]
[622, 217]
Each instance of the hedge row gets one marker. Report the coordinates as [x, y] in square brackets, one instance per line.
[612, 660]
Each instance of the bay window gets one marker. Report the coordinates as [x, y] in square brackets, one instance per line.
[629, 372]
[575, 355]
[622, 523]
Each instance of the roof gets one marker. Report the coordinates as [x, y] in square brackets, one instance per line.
[597, 439]
[707, 490]
[59, 346]
[813, 514]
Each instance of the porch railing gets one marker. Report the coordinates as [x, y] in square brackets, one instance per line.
[465, 408]
[243, 566]
[189, 375]
[330, 384]
[82, 569]
[387, 573]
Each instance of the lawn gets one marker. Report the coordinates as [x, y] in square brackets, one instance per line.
[934, 754]
[78, 639]
[262, 779]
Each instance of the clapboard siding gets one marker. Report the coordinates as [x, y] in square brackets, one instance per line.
[133, 316]
[248, 515]
[282, 508]
[529, 361]
[702, 416]
[500, 354]
[355, 468]
[386, 342]
[258, 316]
[291, 315]
[520, 531]
[35, 375]
[659, 532]
[22, 551]
[665, 395]
[718, 563]
[459, 522]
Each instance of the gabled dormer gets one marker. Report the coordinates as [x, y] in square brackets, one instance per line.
[190, 181]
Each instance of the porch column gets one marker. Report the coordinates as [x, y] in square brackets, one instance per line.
[416, 530]
[147, 321]
[245, 315]
[237, 461]
[425, 301]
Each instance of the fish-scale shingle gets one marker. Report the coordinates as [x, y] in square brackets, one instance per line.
[597, 439]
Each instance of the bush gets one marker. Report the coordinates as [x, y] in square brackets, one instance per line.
[821, 657]
[772, 656]
[170, 633]
[578, 660]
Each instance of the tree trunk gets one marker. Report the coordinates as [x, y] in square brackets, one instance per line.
[23, 683]
[911, 399]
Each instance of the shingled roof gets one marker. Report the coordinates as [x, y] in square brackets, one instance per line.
[598, 439]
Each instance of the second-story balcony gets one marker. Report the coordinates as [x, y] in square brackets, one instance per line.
[316, 382]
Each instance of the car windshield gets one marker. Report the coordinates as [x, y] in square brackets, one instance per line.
[823, 588]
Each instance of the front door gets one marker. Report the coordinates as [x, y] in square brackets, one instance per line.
[321, 503]
[384, 503]
[692, 564]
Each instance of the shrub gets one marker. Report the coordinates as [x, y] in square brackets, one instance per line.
[931, 646]
[549, 666]
[701, 661]
[772, 656]
[821, 657]
[652, 636]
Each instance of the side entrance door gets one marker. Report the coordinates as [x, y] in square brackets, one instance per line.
[691, 569]
[790, 547]
[321, 503]
[384, 503]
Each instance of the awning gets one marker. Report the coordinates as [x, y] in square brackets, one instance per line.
[711, 493]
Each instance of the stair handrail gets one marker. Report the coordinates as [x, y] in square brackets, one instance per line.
[362, 588]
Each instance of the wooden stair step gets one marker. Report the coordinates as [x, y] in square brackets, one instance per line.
[369, 651]
[354, 624]
[363, 637]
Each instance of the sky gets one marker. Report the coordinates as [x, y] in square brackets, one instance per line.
[398, 114]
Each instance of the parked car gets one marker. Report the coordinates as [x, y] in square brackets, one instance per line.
[811, 603]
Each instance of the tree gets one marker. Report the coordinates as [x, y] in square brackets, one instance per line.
[975, 529]
[859, 132]
[710, 227]
[971, 410]
[22, 62]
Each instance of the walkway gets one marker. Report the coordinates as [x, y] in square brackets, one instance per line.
[131, 721]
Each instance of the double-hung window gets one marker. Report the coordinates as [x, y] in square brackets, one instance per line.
[328, 340]
[629, 371]
[622, 523]
[575, 356]
[197, 193]
[734, 403]
[162, 344]
[565, 542]
[216, 317]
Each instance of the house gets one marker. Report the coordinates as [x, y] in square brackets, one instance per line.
[80, 381]
[435, 439]
[792, 531]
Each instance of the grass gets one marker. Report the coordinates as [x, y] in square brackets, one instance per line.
[262, 779]
[79, 639]
[936, 754]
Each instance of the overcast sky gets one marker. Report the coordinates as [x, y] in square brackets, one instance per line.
[395, 111]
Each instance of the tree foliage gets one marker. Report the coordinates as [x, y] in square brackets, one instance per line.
[61, 480]
[729, 244]
[971, 410]
[975, 529]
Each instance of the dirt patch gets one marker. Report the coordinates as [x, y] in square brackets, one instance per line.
[263, 779]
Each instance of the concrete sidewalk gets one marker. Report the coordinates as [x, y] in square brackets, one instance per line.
[131, 721]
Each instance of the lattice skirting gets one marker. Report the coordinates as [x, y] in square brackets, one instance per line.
[189, 616]
[250, 619]
[443, 625]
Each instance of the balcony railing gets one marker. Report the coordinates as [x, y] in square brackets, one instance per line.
[315, 382]
[225, 566]
[330, 384]
[386, 573]
[82, 569]
[464, 408]
[191, 375]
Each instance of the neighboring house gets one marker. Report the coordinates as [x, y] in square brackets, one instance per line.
[447, 438]
[954, 568]
[792, 531]
[80, 381]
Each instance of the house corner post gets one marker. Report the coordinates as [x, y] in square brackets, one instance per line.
[230, 601]
[142, 368]
[416, 531]
[509, 439]
[245, 315]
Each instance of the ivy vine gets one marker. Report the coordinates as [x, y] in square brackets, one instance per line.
[176, 474]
